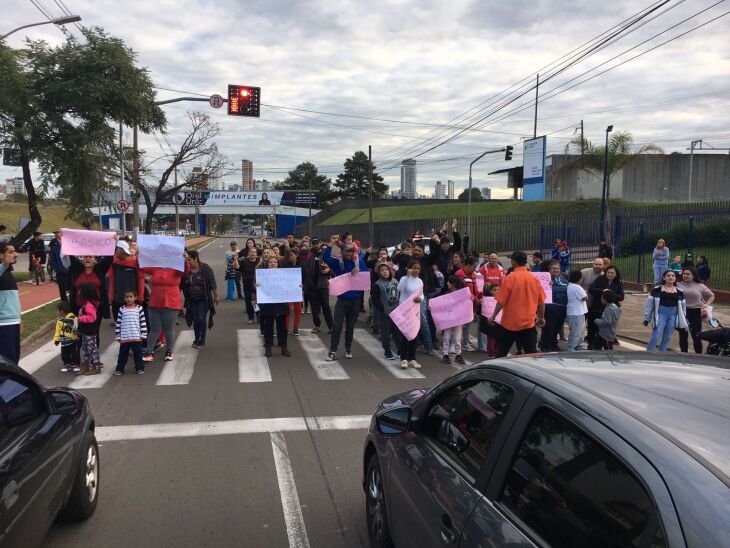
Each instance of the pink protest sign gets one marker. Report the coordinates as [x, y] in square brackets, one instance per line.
[452, 309]
[489, 304]
[407, 317]
[545, 279]
[87, 242]
[347, 282]
[480, 282]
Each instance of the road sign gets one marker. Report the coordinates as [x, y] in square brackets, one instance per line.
[216, 101]
[122, 205]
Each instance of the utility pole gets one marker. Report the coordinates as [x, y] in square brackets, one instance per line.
[691, 159]
[582, 144]
[121, 178]
[537, 90]
[177, 209]
[310, 208]
[370, 194]
[135, 178]
[602, 222]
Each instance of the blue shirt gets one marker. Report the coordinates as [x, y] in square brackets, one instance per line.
[341, 266]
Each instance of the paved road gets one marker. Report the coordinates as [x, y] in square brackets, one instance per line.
[225, 448]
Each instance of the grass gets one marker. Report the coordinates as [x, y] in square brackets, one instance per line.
[21, 276]
[718, 257]
[459, 209]
[36, 319]
[54, 217]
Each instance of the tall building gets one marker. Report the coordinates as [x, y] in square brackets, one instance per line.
[14, 185]
[408, 179]
[247, 170]
[487, 193]
[439, 191]
[450, 190]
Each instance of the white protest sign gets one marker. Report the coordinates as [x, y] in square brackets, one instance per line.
[161, 251]
[279, 285]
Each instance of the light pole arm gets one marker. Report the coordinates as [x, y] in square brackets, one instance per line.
[58, 21]
[471, 165]
[4, 36]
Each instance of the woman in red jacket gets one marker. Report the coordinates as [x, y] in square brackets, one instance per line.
[164, 306]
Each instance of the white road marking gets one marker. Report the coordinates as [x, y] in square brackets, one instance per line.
[316, 354]
[109, 359]
[180, 370]
[373, 347]
[252, 364]
[230, 427]
[295, 528]
[38, 358]
[40, 306]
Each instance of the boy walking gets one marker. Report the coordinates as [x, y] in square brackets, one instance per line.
[130, 331]
[67, 338]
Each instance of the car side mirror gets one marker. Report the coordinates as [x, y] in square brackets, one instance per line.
[62, 403]
[394, 421]
[450, 435]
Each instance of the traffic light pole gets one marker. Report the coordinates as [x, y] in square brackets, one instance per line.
[471, 165]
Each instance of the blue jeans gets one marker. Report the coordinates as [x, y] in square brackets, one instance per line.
[576, 324]
[664, 328]
[231, 287]
[425, 331]
[658, 271]
[200, 320]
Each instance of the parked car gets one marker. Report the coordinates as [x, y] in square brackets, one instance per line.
[49, 458]
[586, 450]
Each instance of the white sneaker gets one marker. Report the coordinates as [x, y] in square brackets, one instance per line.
[404, 364]
[414, 364]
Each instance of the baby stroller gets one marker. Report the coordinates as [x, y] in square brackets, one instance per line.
[718, 339]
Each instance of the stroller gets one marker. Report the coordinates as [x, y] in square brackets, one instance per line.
[718, 339]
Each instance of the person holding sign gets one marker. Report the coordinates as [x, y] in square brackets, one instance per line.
[384, 294]
[410, 286]
[452, 335]
[273, 313]
[348, 304]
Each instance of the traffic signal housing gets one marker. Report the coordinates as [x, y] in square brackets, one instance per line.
[508, 153]
[244, 100]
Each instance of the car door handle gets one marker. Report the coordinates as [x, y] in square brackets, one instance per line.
[11, 494]
[447, 534]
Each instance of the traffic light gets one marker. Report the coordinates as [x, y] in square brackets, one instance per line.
[508, 153]
[244, 100]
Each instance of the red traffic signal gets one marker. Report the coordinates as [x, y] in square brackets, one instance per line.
[244, 100]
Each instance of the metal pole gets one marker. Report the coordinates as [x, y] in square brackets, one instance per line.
[471, 165]
[177, 212]
[135, 169]
[537, 89]
[582, 144]
[691, 158]
[370, 194]
[310, 208]
[121, 178]
[602, 225]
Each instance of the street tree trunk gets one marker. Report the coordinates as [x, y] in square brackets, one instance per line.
[35, 215]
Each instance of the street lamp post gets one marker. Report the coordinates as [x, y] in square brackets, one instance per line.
[57, 21]
[692, 146]
[471, 165]
[602, 225]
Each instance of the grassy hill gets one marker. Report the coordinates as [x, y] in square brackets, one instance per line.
[459, 209]
[53, 217]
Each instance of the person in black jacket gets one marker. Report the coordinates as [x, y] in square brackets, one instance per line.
[37, 248]
[384, 293]
[315, 276]
[274, 314]
[605, 250]
[610, 279]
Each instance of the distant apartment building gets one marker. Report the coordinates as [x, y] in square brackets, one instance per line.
[262, 185]
[200, 178]
[247, 174]
[408, 179]
[487, 193]
[439, 192]
[13, 185]
[450, 195]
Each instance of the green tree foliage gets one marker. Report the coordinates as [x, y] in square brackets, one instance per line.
[476, 195]
[305, 177]
[60, 106]
[353, 182]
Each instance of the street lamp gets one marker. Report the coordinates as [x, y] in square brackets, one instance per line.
[57, 21]
[602, 225]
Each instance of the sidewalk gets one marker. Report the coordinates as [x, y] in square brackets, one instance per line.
[631, 326]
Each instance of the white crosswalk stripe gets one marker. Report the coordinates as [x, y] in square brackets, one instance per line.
[373, 347]
[252, 364]
[316, 353]
[38, 358]
[109, 359]
[180, 370]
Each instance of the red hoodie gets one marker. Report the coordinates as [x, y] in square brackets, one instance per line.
[471, 283]
[493, 274]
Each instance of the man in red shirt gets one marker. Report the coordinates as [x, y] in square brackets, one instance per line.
[520, 299]
[493, 272]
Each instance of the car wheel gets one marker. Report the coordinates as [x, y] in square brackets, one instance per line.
[377, 517]
[85, 491]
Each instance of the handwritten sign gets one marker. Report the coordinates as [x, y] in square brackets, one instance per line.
[480, 282]
[452, 309]
[407, 317]
[87, 242]
[489, 304]
[545, 280]
[347, 282]
[279, 285]
[161, 251]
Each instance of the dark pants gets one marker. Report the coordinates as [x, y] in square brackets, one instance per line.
[694, 319]
[526, 339]
[409, 349]
[554, 318]
[136, 348]
[62, 281]
[603, 344]
[200, 320]
[248, 289]
[238, 284]
[592, 327]
[346, 311]
[71, 353]
[268, 326]
[10, 342]
[319, 299]
[386, 330]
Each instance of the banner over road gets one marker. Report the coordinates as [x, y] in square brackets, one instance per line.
[292, 198]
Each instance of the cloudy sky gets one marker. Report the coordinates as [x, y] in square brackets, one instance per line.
[427, 69]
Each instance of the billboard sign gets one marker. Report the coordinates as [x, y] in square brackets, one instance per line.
[533, 158]
[272, 198]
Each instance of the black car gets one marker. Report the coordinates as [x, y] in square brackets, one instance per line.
[566, 450]
[49, 459]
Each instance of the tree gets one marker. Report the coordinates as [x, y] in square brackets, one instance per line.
[306, 177]
[59, 107]
[476, 195]
[353, 183]
[197, 157]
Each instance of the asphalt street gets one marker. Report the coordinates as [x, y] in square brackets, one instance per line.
[223, 447]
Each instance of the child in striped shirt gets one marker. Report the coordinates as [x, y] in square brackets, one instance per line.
[130, 331]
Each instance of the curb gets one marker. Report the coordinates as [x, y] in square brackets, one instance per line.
[39, 333]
